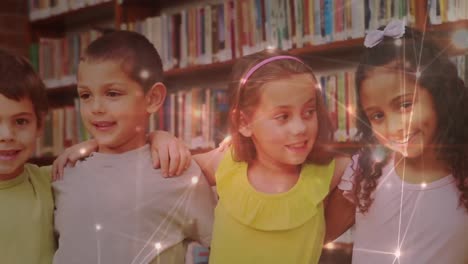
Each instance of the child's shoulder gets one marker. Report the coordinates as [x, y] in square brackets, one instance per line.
[39, 175]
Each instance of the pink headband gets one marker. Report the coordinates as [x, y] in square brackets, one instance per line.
[266, 61]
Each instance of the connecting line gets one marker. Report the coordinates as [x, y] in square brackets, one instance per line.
[171, 213]
[410, 221]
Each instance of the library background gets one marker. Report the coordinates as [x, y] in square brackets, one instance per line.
[199, 42]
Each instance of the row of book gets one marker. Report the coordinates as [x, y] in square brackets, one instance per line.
[338, 90]
[442, 11]
[235, 28]
[39, 9]
[62, 128]
[199, 116]
[56, 59]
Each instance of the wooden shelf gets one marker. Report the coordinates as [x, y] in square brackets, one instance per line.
[449, 26]
[351, 45]
[61, 18]
[442, 35]
[199, 69]
[332, 47]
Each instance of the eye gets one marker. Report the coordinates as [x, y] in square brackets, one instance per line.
[281, 117]
[22, 122]
[404, 106]
[84, 96]
[113, 93]
[309, 112]
[375, 117]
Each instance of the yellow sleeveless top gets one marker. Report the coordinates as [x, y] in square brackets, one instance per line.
[255, 227]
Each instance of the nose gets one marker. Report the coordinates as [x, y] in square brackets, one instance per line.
[397, 125]
[6, 133]
[97, 106]
[297, 126]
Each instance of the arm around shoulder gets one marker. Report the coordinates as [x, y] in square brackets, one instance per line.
[209, 162]
[341, 163]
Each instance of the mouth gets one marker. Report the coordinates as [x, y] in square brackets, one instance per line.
[405, 140]
[298, 146]
[103, 125]
[9, 154]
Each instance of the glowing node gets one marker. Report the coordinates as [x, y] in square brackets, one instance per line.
[82, 151]
[144, 74]
[423, 185]
[397, 253]
[157, 246]
[98, 227]
[194, 179]
[270, 47]
[378, 155]
[418, 74]
[330, 245]
[460, 39]
[398, 42]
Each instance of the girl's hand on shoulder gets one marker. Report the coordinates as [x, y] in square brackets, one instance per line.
[70, 156]
[169, 153]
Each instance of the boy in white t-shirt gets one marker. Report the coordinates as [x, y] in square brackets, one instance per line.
[114, 207]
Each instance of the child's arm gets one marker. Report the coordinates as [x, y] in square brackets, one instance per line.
[168, 153]
[209, 162]
[339, 210]
[339, 215]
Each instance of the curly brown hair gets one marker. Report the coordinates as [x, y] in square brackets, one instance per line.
[438, 75]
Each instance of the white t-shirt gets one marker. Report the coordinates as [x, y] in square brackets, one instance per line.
[423, 223]
[115, 208]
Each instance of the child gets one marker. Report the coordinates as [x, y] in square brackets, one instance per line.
[273, 182]
[113, 207]
[409, 181]
[26, 225]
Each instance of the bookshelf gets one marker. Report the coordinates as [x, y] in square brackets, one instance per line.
[331, 51]
[330, 59]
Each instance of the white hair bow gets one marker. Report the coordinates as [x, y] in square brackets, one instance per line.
[394, 29]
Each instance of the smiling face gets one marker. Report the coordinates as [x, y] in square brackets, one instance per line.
[113, 106]
[402, 117]
[284, 125]
[18, 133]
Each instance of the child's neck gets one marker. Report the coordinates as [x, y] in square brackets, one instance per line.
[269, 177]
[11, 176]
[423, 169]
[134, 143]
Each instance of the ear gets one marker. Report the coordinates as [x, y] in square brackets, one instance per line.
[245, 128]
[155, 97]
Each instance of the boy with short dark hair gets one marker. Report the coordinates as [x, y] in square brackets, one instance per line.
[26, 202]
[114, 207]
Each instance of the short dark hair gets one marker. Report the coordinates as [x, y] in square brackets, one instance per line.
[18, 80]
[138, 57]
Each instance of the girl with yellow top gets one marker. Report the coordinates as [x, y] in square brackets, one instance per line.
[273, 181]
